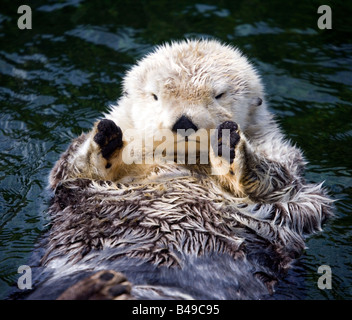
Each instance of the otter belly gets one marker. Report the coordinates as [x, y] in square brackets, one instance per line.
[174, 237]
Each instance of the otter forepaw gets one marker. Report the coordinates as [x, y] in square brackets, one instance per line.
[108, 137]
[224, 143]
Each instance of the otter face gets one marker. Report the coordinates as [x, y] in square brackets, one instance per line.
[192, 85]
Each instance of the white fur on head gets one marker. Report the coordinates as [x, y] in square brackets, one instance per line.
[205, 80]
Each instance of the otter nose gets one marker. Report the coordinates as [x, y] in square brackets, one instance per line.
[184, 123]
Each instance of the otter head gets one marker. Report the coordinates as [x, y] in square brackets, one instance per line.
[192, 84]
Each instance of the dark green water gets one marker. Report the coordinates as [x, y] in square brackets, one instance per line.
[57, 78]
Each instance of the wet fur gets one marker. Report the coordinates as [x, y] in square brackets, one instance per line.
[177, 231]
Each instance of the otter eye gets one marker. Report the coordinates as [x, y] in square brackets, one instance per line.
[155, 97]
[219, 95]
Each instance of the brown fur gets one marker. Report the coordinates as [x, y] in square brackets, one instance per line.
[257, 211]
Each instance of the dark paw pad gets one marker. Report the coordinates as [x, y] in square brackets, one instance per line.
[109, 137]
[226, 139]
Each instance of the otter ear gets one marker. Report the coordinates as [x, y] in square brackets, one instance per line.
[257, 102]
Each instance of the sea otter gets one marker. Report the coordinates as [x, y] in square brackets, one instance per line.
[211, 203]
